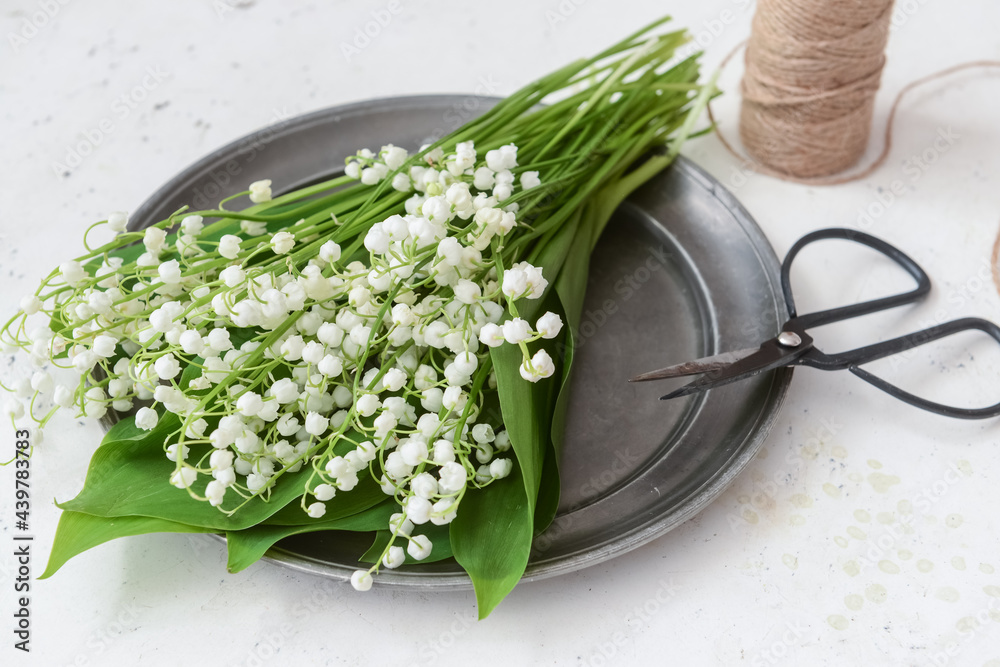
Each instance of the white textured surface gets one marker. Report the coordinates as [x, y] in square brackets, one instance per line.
[864, 533]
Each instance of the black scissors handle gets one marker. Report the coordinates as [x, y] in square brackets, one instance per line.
[852, 359]
[794, 346]
[822, 317]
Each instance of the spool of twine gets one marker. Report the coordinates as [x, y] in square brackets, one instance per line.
[812, 71]
[813, 68]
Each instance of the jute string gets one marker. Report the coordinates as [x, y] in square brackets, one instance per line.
[887, 134]
[813, 69]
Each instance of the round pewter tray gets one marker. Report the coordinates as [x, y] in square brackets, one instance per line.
[682, 271]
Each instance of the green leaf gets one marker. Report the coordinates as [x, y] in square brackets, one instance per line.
[128, 254]
[527, 407]
[125, 430]
[438, 535]
[58, 324]
[247, 546]
[526, 416]
[78, 532]
[128, 476]
[491, 538]
[366, 494]
[571, 288]
[191, 371]
[548, 491]
[238, 336]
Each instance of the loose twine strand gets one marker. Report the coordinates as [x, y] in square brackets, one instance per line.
[886, 140]
[813, 68]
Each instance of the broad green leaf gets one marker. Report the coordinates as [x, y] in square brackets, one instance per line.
[59, 324]
[552, 259]
[247, 546]
[548, 491]
[128, 254]
[528, 407]
[491, 538]
[366, 494]
[78, 532]
[530, 410]
[125, 430]
[190, 372]
[129, 476]
[237, 337]
[527, 415]
[571, 288]
[438, 535]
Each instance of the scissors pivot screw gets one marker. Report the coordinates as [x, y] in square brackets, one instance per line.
[789, 339]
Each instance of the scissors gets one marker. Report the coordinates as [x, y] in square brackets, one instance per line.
[793, 346]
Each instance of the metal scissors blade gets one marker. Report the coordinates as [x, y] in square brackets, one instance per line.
[771, 354]
[703, 365]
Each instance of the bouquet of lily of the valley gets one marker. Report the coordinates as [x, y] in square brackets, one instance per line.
[373, 353]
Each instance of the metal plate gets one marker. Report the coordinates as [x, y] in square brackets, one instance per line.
[682, 271]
